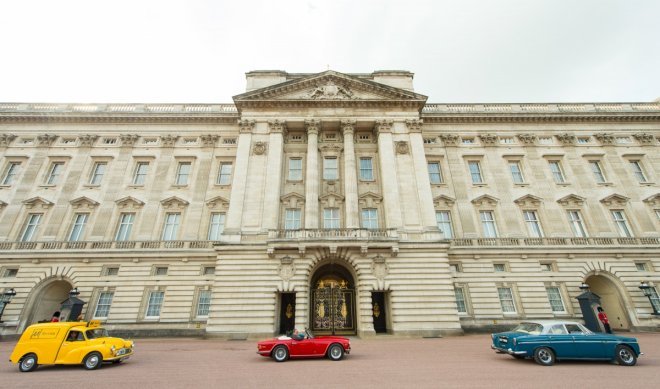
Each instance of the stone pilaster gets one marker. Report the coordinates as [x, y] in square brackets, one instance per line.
[388, 173]
[273, 174]
[421, 174]
[350, 176]
[239, 180]
[312, 177]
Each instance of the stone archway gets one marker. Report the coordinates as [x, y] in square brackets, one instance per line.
[333, 301]
[611, 300]
[46, 299]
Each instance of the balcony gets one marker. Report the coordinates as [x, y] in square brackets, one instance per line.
[536, 242]
[362, 234]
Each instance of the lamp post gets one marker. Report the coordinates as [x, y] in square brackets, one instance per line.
[6, 299]
[646, 289]
[74, 292]
[584, 287]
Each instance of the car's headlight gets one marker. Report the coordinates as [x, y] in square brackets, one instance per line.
[113, 349]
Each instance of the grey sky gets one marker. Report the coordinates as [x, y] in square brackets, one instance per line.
[199, 50]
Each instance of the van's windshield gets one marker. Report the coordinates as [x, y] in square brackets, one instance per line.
[97, 333]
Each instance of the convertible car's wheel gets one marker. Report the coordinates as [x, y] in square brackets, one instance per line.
[280, 354]
[336, 352]
[92, 361]
[625, 356]
[28, 363]
[544, 356]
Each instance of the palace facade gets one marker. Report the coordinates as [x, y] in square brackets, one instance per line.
[340, 202]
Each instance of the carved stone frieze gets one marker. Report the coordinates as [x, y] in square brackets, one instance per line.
[128, 140]
[527, 139]
[209, 140]
[246, 126]
[566, 138]
[414, 125]
[402, 147]
[87, 140]
[379, 267]
[644, 138]
[6, 139]
[286, 268]
[450, 139]
[277, 126]
[605, 138]
[383, 126]
[488, 139]
[260, 148]
[331, 91]
[46, 140]
[331, 148]
[168, 140]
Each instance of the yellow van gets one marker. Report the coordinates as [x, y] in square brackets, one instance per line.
[68, 343]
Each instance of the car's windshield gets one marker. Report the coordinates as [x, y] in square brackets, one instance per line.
[97, 333]
[529, 328]
[309, 333]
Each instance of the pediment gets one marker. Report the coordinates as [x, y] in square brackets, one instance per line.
[572, 200]
[485, 200]
[331, 200]
[615, 199]
[370, 199]
[443, 201]
[293, 199]
[174, 202]
[129, 202]
[528, 200]
[218, 202]
[653, 200]
[83, 202]
[329, 88]
[38, 202]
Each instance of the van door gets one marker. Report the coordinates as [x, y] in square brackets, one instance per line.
[71, 349]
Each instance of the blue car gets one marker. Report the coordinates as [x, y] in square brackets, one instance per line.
[550, 341]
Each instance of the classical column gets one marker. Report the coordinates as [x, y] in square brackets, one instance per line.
[350, 176]
[273, 174]
[388, 173]
[312, 177]
[239, 179]
[421, 174]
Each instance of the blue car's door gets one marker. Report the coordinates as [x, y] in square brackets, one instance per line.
[561, 341]
[587, 345]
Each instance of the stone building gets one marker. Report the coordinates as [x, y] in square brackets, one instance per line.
[340, 202]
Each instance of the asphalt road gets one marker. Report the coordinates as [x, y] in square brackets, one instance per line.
[384, 362]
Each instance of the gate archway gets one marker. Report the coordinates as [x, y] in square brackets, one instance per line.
[46, 299]
[611, 300]
[333, 301]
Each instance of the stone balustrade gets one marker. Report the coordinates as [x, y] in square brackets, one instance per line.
[540, 108]
[594, 242]
[334, 234]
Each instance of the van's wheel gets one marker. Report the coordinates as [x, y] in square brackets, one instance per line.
[28, 363]
[92, 361]
[335, 352]
[280, 353]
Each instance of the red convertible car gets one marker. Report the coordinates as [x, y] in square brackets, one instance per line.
[310, 346]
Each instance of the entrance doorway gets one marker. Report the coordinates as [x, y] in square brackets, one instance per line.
[610, 300]
[333, 302]
[378, 312]
[287, 312]
[48, 300]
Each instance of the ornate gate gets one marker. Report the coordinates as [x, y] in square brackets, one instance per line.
[333, 308]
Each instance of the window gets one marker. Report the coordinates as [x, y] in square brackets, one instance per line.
[475, 172]
[54, 173]
[546, 140]
[216, 225]
[366, 169]
[499, 267]
[597, 170]
[12, 171]
[621, 223]
[208, 270]
[467, 141]
[640, 266]
[160, 271]
[488, 224]
[97, 173]
[455, 267]
[203, 303]
[557, 172]
[183, 173]
[125, 226]
[507, 140]
[10, 272]
[506, 300]
[655, 300]
[292, 219]
[533, 225]
[577, 225]
[295, 169]
[370, 218]
[79, 221]
[435, 176]
[330, 167]
[547, 266]
[638, 171]
[556, 303]
[516, 172]
[331, 218]
[443, 218]
[155, 303]
[583, 140]
[459, 292]
[31, 226]
[171, 226]
[103, 305]
[140, 174]
[111, 271]
[224, 173]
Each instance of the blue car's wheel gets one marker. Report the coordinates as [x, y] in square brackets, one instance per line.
[544, 356]
[280, 353]
[625, 356]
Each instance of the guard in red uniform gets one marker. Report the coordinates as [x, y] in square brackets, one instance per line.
[603, 319]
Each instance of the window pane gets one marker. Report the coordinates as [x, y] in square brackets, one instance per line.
[655, 300]
[103, 304]
[460, 300]
[224, 174]
[506, 300]
[556, 303]
[330, 169]
[204, 303]
[183, 173]
[171, 226]
[292, 219]
[155, 302]
[533, 225]
[577, 225]
[435, 176]
[79, 222]
[97, 173]
[475, 172]
[125, 226]
[216, 226]
[12, 171]
[622, 224]
[331, 218]
[31, 226]
[370, 218]
[140, 175]
[54, 173]
[598, 172]
[557, 173]
[488, 224]
[516, 172]
[637, 171]
[366, 169]
[443, 218]
[295, 169]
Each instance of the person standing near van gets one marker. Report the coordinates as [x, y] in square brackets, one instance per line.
[603, 319]
[56, 317]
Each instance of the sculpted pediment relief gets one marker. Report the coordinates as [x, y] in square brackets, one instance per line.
[38, 202]
[328, 88]
[615, 199]
[83, 202]
[528, 201]
[485, 200]
[653, 200]
[293, 200]
[129, 202]
[370, 199]
[443, 201]
[174, 202]
[331, 200]
[218, 202]
[571, 200]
